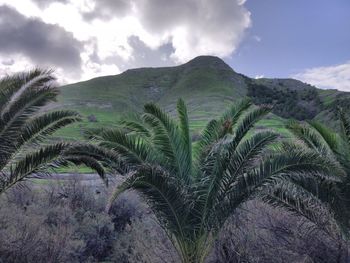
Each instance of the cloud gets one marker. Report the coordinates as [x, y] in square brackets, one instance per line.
[195, 27]
[8, 62]
[46, 3]
[106, 36]
[143, 56]
[107, 9]
[332, 77]
[43, 44]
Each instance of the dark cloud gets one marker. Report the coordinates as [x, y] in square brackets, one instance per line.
[157, 16]
[45, 3]
[107, 9]
[44, 44]
[142, 56]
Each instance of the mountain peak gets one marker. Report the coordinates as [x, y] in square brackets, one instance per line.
[208, 61]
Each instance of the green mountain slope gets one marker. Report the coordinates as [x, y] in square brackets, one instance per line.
[206, 83]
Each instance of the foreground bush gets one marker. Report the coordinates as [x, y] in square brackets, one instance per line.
[65, 222]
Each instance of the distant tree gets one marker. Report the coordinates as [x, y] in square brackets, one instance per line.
[193, 190]
[25, 129]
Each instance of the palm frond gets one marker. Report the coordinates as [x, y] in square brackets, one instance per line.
[249, 120]
[131, 148]
[25, 148]
[167, 140]
[345, 125]
[12, 86]
[34, 164]
[135, 124]
[186, 137]
[327, 134]
[89, 162]
[217, 129]
[299, 201]
[163, 193]
[236, 110]
[39, 127]
[244, 158]
[311, 137]
[101, 155]
[13, 120]
[15, 115]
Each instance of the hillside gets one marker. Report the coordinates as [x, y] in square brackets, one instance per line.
[207, 84]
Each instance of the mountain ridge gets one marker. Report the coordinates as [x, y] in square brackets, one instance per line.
[206, 83]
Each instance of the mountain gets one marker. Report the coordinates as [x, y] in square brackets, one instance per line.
[206, 83]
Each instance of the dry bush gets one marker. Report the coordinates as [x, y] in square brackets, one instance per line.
[144, 241]
[62, 222]
[66, 222]
[261, 233]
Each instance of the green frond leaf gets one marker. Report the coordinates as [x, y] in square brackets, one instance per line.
[38, 128]
[297, 200]
[217, 129]
[135, 126]
[168, 140]
[328, 135]
[186, 137]
[311, 137]
[345, 125]
[164, 195]
[102, 155]
[249, 120]
[33, 163]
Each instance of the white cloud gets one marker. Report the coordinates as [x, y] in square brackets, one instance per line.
[259, 76]
[331, 77]
[190, 27]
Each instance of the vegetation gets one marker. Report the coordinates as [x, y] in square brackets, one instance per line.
[213, 196]
[302, 104]
[206, 83]
[209, 86]
[332, 191]
[193, 191]
[25, 150]
[64, 221]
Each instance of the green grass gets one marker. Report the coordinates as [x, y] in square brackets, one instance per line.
[207, 85]
[75, 131]
[276, 124]
[204, 83]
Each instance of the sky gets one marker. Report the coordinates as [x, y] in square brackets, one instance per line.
[81, 39]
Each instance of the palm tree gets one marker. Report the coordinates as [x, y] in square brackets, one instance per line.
[193, 188]
[25, 148]
[310, 194]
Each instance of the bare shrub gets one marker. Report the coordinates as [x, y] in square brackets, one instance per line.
[64, 221]
[261, 233]
[144, 241]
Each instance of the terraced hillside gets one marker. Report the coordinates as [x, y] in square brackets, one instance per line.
[207, 84]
